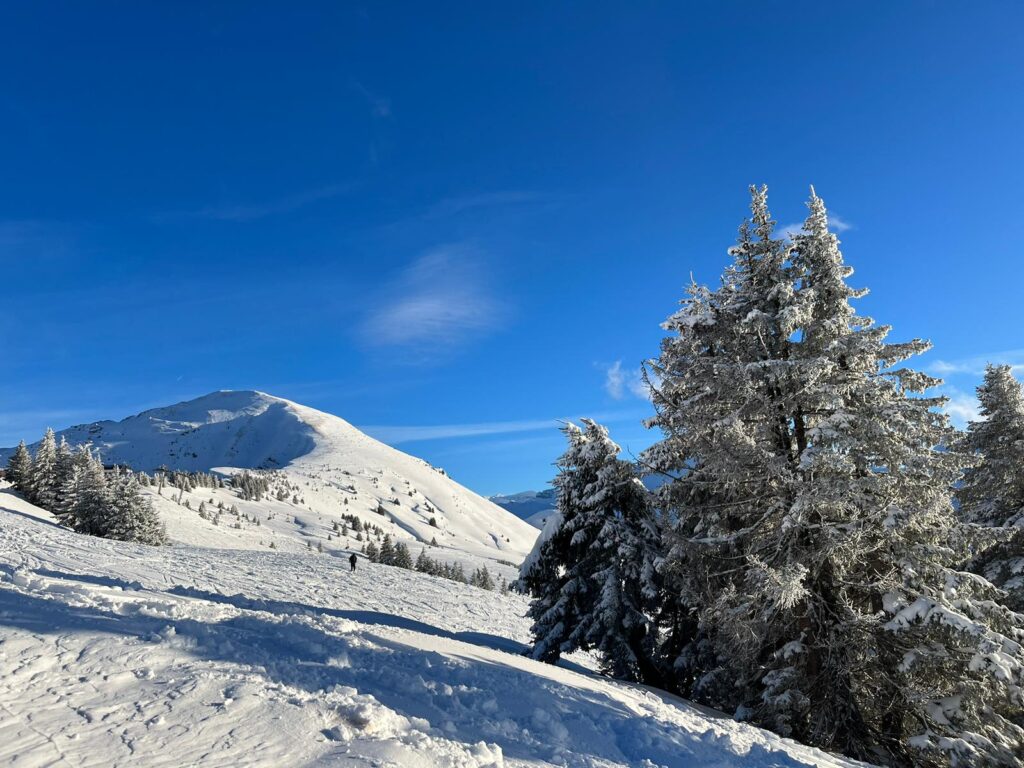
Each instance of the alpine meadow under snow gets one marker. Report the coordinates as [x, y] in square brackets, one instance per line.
[811, 567]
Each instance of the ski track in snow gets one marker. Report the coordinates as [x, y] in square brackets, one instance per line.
[115, 654]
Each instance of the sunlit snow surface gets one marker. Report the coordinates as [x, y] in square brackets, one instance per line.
[115, 654]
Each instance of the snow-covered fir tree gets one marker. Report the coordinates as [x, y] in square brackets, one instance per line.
[402, 557]
[19, 468]
[92, 506]
[43, 489]
[69, 489]
[387, 551]
[555, 609]
[482, 578]
[813, 524]
[132, 517]
[65, 468]
[594, 576]
[991, 493]
[372, 553]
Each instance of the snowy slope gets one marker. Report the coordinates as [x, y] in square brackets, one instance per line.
[336, 467]
[115, 654]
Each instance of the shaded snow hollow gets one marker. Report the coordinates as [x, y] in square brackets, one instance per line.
[117, 654]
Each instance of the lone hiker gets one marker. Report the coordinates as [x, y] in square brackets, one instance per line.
[353, 560]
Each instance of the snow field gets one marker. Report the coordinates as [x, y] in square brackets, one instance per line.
[117, 654]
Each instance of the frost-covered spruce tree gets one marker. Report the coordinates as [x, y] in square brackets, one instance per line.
[402, 558]
[722, 392]
[132, 516]
[624, 566]
[19, 468]
[387, 551]
[43, 491]
[595, 580]
[991, 493]
[815, 523]
[93, 505]
[65, 467]
[69, 490]
[556, 609]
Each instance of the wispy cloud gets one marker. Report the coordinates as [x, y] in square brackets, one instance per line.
[836, 223]
[395, 435]
[455, 205]
[975, 365]
[620, 382]
[439, 301]
[380, 106]
[36, 239]
[248, 211]
[961, 407]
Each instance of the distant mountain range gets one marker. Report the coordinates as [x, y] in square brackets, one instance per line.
[532, 506]
[536, 506]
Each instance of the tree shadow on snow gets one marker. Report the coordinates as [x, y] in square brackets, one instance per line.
[285, 607]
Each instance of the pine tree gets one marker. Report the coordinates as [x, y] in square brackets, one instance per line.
[387, 551]
[811, 494]
[991, 493]
[483, 579]
[43, 491]
[595, 578]
[69, 493]
[92, 507]
[19, 469]
[132, 517]
[402, 558]
[372, 553]
[65, 482]
[624, 566]
[556, 606]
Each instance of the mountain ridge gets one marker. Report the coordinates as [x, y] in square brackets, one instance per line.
[338, 468]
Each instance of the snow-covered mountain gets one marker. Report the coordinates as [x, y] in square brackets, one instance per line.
[327, 466]
[535, 507]
[119, 654]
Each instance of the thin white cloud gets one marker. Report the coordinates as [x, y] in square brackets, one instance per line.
[836, 223]
[455, 205]
[961, 408]
[395, 435]
[380, 106]
[975, 365]
[442, 299]
[410, 434]
[619, 382]
[248, 211]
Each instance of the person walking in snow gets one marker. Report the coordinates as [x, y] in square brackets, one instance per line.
[352, 561]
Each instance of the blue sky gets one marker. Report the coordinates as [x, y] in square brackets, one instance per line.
[457, 224]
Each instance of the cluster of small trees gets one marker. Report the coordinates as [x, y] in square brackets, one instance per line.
[186, 481]
[397, 554]
[802, 564]
[251, 486]
[390, 553]
[73, 485]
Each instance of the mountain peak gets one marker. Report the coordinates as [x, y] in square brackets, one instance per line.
[231, 430]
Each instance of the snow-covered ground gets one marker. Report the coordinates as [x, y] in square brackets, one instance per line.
[116, 654]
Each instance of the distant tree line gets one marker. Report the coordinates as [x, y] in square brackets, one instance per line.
[397, 554]
[825, 556]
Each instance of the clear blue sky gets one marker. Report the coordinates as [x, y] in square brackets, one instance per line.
[448, 222]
